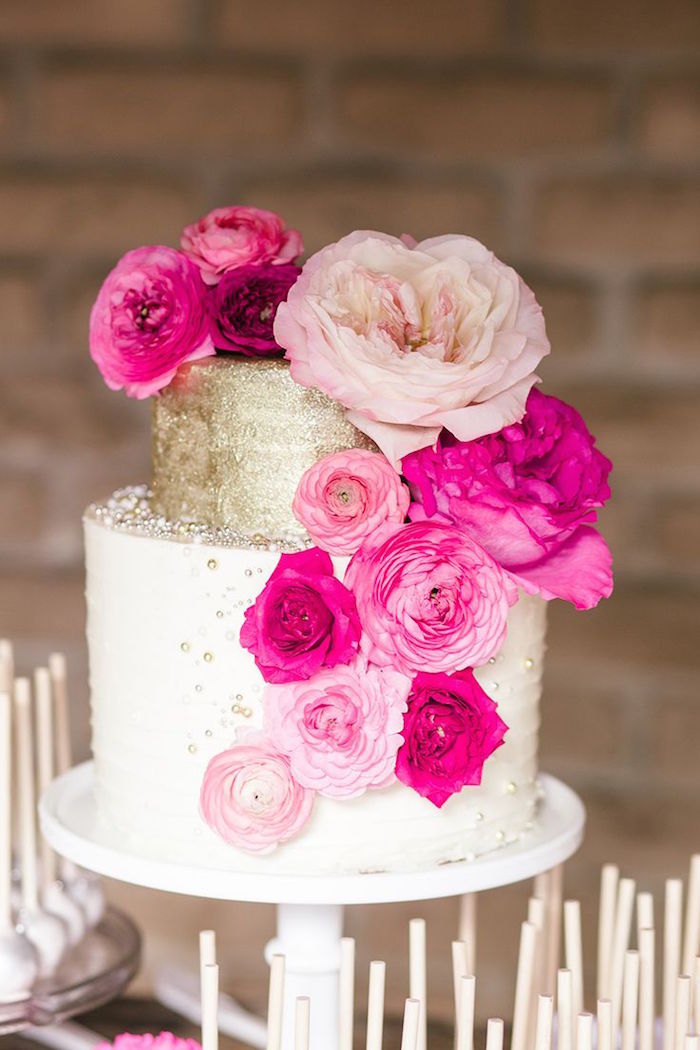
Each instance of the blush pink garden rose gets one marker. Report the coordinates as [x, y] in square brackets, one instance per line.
[304, 619]
[344, 497]
[340, 729]
[414, 338]
[529, 495]
[429, 597]
[148, 319]
[450, 728]
[162, 1041]
[250, 798]
[227, 238]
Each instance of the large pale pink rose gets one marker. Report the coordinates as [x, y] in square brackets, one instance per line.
[250, 798]
[413, 339]
[344, 497]
[149, 317]
[341, 729]
[429, 597]
[227, 238]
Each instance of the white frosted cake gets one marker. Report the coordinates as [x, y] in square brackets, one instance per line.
[316, 642]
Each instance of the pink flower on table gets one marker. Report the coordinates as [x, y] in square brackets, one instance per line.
[429, 597]
[304, 619]
[250, 798]
[149, 317]
[451, 727]
[227, 238]
[341, 728]
[414, 338]
[529, 495]
[162, 1041]
[344, 497]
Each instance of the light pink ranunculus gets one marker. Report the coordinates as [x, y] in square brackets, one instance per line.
[250, 798]
[340, 729]
[344, 497]
[227, 238]
[429, 597]
[413, 339]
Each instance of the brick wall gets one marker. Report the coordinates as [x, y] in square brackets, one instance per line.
[566, 135]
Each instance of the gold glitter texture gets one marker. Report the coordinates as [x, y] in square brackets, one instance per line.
[232, 436]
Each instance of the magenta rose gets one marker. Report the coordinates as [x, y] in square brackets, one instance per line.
[243, 306]
[304, 619]
[528, 494]
[344, 497]
[162, 1041]
[429, 598]
[341, 728]
[250, 798]
[450, 728]
[149, 317]
[227, 238]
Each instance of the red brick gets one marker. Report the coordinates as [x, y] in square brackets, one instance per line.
[23, 502]
[668, 324]
[669, 124]
[103, 216]
[471, 115]
[315, 27]
[21, 309]
[628, 25]
[674, 745]
[677, 530]
[570, 315]
[42, 606]
[630, 220]
[128, 22]
[573, 710]
[326, 208]
[179, 109]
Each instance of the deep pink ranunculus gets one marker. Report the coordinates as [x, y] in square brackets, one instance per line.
[528, 494]
[450, 728]
[162, 1041]
[227, 238]
[149, 317]
[304, 619]
[243, 306]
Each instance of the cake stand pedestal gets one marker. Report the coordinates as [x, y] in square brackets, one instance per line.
[309, 908]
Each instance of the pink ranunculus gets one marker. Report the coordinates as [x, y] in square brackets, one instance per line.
[344, 497]
[250, 798]
[429, 597]
[450, 729]
[528, 494]
[413, 339]
[227, 238]
[243, 306]
[149, 317]
[162, 1041]
[340, 729]
[304, 619]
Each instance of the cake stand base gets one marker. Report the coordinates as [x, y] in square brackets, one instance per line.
[309, 908]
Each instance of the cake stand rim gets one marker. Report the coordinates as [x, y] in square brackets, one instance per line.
[70, 799]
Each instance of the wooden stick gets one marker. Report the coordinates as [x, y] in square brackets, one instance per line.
[27, 804]
[59, 682]
[467, 927]
[645, 913]
[691, 940]
[494, 1034]
[275, 1003]
[565, 1013]
[537, 915]
[460, 967]
[210, 1007]
[553, 925]
[5, 812]
[465, 1013]
[647, 1008]
[418, 978]
[574, 951]
[543, 1028]
[347, 994]
[681, 1021]
[523, 986]
[621, 937]
[630, 997]
[302, 1020]
[673, 909]
[609, 879]
[605, 1028]
[410, 1032]
[375, 1005]
[207, 957]
[45, 767]
[692, 1042]
[584, 1032]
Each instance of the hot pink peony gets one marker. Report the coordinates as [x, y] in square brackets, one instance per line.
[227, 238]
[341, 729]
[413, 339]
[429, 598]
[162, 1041]
[344, 497]
[250, 798]
[149, 317]
[304, 619]
[528, 494]
[243, 306]
[450, 729]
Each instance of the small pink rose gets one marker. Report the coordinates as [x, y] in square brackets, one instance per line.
[227, 238]
[344, 497]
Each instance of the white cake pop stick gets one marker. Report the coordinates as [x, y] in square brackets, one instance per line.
[543, 1027]
[645, 913]
[465, 1013]
[609, 878]
[681, 1020]
[565, 1013]
[418, 975]
[346, 1020]
[523, 986]
[553, 902]
[410, 1033]
[605, 1026]
[574, 951]
[494, 1034]
[621, 938]
[467, 928]
[275, 1003]
[375, 1005]
[691, 940]
[584, 1032]
[647, 1011]
[673, 909]
[18, 961]
[210, 1007]
[46, 931]
[301, 1022]
[630, 998]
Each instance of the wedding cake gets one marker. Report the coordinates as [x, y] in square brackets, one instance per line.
[316, 640]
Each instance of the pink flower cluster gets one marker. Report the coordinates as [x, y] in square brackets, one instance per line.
[162, 1041]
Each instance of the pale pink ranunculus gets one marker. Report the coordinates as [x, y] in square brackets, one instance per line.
[162, 1041]
[429, 597]
[340, 729]
[343, 497]
[413, 339]
[250, 798]
[227, 238]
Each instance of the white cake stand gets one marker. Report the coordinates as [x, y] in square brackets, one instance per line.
[309, 908]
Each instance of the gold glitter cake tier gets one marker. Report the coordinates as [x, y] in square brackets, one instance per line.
[232, 436]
